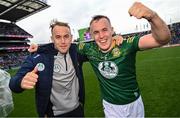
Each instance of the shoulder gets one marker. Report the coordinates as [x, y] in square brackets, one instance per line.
[131, 42]
[131, 39]
[87, 45]
[47, 49]
[35, 56]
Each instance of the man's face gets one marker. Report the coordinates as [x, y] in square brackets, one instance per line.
[101, 32]
[61, 37]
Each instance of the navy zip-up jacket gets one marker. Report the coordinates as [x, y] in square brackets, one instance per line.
[43, 87]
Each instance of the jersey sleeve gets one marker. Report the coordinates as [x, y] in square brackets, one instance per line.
[132, 43]
[136, 42]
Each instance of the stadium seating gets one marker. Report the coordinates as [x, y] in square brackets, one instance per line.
[175, 32]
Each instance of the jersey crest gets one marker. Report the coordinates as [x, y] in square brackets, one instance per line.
[108, 69]
[40, 66]
[116, 52]
[57, 68]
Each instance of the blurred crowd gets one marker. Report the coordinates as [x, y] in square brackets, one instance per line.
[12, 60]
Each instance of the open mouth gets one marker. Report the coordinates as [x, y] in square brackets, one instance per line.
[103, 42]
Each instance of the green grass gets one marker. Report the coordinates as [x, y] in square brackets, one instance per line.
[158, 72]
[93, 104]
[159, 80]
[24, 103]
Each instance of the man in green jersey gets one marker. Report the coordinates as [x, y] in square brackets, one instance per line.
[115, 65]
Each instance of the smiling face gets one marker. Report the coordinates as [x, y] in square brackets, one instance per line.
[101, 32]
[62, 38]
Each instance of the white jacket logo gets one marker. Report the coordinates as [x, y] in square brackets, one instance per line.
[40, 66]
[108, 69]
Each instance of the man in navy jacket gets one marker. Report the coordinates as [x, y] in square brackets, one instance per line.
[56, 73]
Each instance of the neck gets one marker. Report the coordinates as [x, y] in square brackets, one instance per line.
[59, 53]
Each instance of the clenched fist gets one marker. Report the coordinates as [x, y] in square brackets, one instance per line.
[139, 11]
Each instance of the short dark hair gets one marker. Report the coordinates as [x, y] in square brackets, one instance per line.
[98, 17]
[55, 22]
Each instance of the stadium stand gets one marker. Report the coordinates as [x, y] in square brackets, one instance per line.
[175, 32]
[15, 10]
[12, 30]
[13, 39]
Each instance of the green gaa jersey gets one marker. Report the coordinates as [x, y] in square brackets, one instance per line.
[115, 70]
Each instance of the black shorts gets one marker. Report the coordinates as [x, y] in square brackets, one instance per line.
[78, 112]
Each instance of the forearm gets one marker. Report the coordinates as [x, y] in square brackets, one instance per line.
[14, 85]
[159, 29]
[15, 81]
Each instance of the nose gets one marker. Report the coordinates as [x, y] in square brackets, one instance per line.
[63, 40]
[101, 35]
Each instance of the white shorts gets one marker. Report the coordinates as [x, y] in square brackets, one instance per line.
[134, 109]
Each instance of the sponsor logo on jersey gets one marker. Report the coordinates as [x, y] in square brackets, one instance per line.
[108, 69]
[136, 94]
[116, 52]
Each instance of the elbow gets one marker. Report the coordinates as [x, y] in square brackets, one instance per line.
[167, 38]
[14, 86]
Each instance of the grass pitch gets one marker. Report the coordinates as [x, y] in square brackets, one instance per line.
[158, 73]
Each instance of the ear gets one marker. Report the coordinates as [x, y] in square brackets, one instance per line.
[112, 28]
[90, 31]
[71, 36]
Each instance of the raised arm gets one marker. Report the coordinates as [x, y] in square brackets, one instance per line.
[160, 34]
